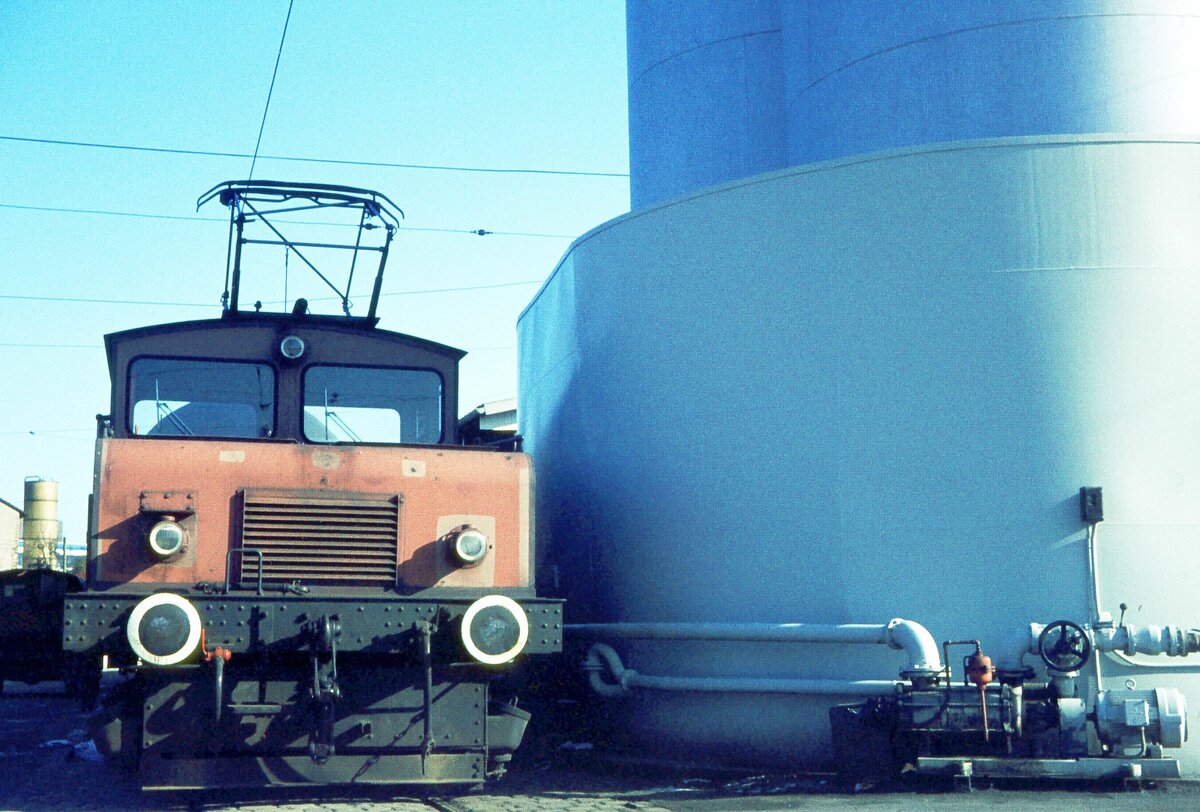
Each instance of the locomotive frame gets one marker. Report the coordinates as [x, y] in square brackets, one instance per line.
[299, 575]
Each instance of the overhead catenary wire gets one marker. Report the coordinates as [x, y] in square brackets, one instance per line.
[50, 346]
[54, 435]
[336, 161]
[99, 346]
[271, 90]
[42, 432]
[477, 232]
[160, 303]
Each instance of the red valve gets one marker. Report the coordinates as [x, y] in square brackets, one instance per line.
[979, 669]
[224, 653]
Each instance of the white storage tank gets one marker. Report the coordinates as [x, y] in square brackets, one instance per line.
[723, 90]
[864, 76]
[872, 387]
[41, 529]
[706, 100]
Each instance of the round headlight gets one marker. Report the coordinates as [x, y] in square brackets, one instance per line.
[494, 629]
[164, 629]
[165, 538]
[470, 547]
[292, 347]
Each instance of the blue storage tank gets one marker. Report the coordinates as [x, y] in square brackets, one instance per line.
[724, 90]
[870, 383]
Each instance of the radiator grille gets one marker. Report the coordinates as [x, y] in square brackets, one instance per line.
[321, 538]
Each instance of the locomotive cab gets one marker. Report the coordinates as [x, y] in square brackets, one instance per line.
[300, 575]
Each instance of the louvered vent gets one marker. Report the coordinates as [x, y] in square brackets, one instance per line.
[325, 538]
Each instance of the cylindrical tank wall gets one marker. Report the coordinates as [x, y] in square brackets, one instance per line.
[868, 389]
[706, 100]
[724, 90]
[864, 75]
[41, 530]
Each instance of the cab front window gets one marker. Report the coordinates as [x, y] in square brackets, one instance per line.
[344, 404]
[184, 397]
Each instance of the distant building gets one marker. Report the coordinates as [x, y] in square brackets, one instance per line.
[489, 423]
[10, 532]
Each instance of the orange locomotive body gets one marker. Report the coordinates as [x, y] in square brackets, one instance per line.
[416, 498]
[299, 575]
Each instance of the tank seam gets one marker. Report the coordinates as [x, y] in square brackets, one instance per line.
[701, 46]
[960, 31]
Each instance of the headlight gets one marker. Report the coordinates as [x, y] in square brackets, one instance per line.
[470, 546]
[164, 629]
[291, 347]
[494, 629]
[165, 538]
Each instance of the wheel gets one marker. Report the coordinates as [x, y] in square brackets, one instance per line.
[1064, 646]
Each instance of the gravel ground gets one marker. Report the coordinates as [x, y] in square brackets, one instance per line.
[46, 763]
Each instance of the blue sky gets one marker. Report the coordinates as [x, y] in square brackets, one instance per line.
[516, 85]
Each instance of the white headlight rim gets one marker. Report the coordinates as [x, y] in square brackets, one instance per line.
[522, 629]
[191, 643]
[292, 347]
[461, 555]
[152, 538]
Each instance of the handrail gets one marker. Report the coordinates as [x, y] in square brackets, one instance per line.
[243, 551]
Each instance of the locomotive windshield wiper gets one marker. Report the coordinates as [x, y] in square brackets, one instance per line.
[164, 412]
[332, 416]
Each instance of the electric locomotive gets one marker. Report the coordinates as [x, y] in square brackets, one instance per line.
[298, 574]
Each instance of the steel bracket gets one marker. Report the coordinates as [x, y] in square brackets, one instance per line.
[323, 634]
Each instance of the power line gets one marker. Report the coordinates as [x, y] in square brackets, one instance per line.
[99, 346]
[47, 431]
[84, 300]
[57, 209]
[339, 162]
[271, 91]
[479, 232]
[53, 435]
[56, 346]
[468, 287]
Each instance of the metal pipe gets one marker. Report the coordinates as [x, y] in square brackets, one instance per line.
[1173, 641]
[752, 632]
[602, 657]
[917, 643]
[1094, 573]
[218, 688]
[907, 635]
[1119, 642]
[1120, 649]
[1017, 644]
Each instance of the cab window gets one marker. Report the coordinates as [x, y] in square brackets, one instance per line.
[344, 404]
[182, 397]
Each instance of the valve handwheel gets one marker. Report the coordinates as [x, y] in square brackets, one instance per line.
[1064, 646]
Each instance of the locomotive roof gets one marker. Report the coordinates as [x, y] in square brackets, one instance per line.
[339, 324]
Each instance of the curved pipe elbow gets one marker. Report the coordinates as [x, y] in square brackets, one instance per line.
[1016, 644]
[602, 658]
[917, 643]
